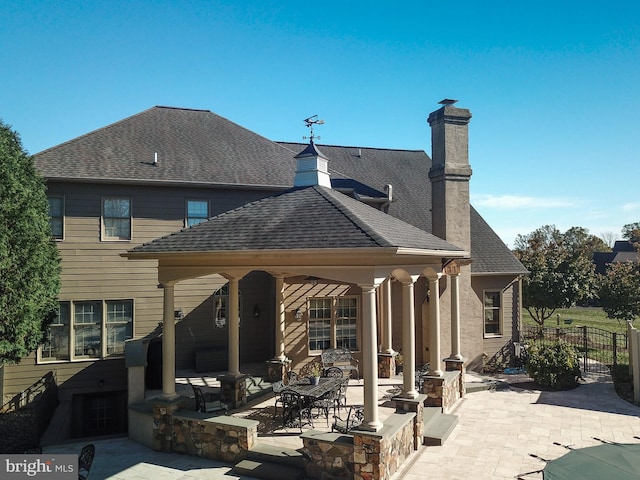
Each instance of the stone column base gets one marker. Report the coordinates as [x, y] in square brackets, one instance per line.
[443, 391]
[277, 369]
[413, 405]
[451, 365]
[163, 411]
[387, 365]
[233, 390]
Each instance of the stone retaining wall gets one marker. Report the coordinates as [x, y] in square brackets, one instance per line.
[362, 455]
[222, 438]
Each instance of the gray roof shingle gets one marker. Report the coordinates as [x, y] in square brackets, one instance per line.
[200, 147]
[192, 146]
[408, 172]
[305, 218]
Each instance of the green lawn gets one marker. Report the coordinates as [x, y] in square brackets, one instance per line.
[580, 316]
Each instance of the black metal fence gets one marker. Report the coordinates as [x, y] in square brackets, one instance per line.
[599, 349]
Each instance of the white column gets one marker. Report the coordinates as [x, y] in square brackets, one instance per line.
[387, 325]
[168, 344]
[434, 327]
[234, 328]
[455, 317]
[280, 324]
[369, 359]
[408, 341]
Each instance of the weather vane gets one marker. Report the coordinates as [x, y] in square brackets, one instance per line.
[310, 122]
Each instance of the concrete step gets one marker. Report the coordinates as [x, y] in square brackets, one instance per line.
[429, 414]
[274, 454]
[472, 387]
[438, 429]
[267, 470]
[270, 462]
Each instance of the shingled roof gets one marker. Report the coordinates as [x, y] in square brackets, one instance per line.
[193, 146]
[305, 218]
[201, 148]
[408, 173]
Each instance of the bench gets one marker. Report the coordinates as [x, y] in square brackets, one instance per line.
[341, 358]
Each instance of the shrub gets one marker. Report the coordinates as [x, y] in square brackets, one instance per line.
[554, 365]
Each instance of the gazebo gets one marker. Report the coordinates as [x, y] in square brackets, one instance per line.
[313, 231]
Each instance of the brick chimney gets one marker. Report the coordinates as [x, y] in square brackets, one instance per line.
[450, 173]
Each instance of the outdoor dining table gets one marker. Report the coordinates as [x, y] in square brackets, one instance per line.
[308, 394]
[304, 387]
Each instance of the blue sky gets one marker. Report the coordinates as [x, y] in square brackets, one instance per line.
[553, 86]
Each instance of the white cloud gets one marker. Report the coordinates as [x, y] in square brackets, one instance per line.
[630, 207]
[515, 202]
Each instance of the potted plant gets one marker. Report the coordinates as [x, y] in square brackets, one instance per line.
[315, 371]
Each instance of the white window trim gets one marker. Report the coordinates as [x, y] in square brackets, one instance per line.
[501, 310]
[103, 236]
[333, 331]
[103, 332]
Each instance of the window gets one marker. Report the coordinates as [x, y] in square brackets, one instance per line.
[56, 345]
[492, 313]
[346, 319]
[86, 325]
[197, 211]
[119, 325]
[220, 302]
[116, 218]
[96, 329]
[333, 323]
[56, 217]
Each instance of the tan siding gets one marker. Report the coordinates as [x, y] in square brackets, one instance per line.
[94, 270]
[509, 287]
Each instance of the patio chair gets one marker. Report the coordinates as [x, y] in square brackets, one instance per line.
[326, 402]
[341, 400]
[292, 376]
[85, 459]
[213, 406]
[295, 408]
[277, 388]
[420, 373]
[355, 417]
[333, 372]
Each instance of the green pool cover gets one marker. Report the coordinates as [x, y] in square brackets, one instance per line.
[610, 461]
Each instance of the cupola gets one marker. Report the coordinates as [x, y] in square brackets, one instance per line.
[312, 165]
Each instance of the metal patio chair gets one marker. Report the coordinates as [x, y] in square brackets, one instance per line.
[85, 459]
[204, 406]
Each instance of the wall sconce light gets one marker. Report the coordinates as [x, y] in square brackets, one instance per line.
[101, 383]
[312, 280]
[298, 314]
[256, 311]
[178, 314]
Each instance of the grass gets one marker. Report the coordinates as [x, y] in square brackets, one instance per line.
[580, 316]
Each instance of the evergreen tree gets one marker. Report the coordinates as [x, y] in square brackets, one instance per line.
[29, 260]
